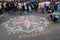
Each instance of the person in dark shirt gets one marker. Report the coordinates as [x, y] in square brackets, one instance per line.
[1, 12]
[12, 7]
[9, 8]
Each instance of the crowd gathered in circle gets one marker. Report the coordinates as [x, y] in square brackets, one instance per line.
[50, 7]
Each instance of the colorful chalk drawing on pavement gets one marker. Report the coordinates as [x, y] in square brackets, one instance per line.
[27, 24]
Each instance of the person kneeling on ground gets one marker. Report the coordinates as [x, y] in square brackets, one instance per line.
[54, 16]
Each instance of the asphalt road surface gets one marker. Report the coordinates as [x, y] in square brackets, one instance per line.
[54, 34]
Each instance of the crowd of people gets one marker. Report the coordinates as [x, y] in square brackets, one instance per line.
[42, 6]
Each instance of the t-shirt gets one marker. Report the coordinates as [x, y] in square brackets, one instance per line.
[41, 5]
[19, 5]
[55, 14]
[47, 3]
[24, 3]
[52, 3]
[58, 3]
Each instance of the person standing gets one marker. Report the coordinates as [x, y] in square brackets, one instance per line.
[9, 7]
[12, 7]
[58, 5]
[20, 7]
[1, 12]
[55, 6]
[47, 5]
[25, 7]
[29, 7]
[15, 7]
[4, 6]
[52, 5]
[41, 6]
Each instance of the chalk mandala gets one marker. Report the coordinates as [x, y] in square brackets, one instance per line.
[26, 24]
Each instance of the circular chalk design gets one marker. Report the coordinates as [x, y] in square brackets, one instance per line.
[26, 24]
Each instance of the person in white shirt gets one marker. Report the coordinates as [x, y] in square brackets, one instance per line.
[29, 7]
[41, 6]
[47, 5]
[25, 6]
[20, 7]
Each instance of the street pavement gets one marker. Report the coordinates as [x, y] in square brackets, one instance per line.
[54, 34]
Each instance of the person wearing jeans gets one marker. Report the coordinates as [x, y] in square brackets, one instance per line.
[20, 7]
